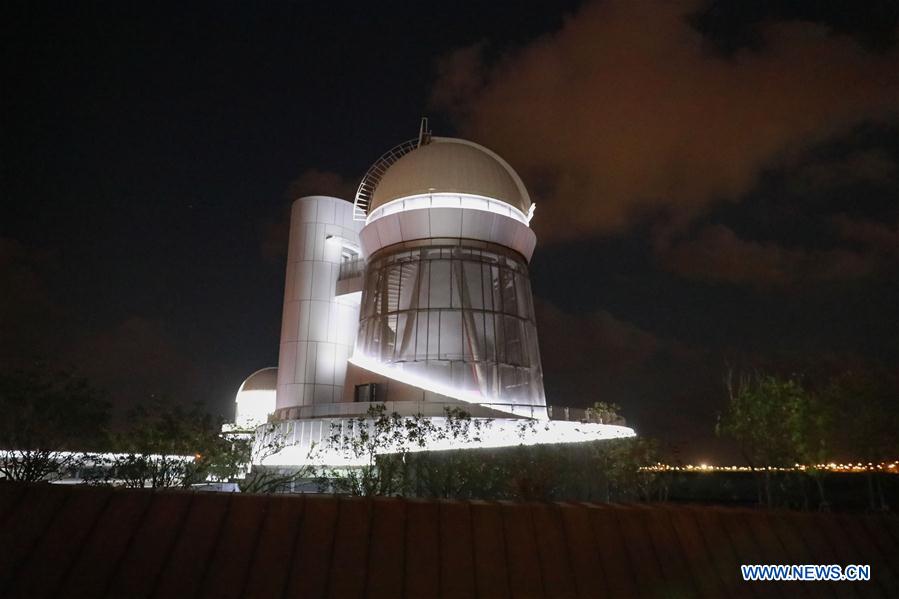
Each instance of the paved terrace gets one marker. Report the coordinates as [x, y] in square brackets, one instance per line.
[68, 541]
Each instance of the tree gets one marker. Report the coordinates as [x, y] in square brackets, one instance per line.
[625, 459]
[390, 457]
[263, 479]
[864, 421]
[377, 448]
[604, 413]
[451, 473]
[768, 417]
[48, 417]
[373, 446]
[167, 445]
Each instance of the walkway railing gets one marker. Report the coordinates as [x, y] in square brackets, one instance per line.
[351, 269]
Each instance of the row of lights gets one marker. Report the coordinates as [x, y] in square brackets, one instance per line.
[889, 467]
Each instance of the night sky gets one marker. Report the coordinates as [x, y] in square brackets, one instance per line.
[716, 183]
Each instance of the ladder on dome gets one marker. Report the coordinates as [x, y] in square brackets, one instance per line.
[374, 174]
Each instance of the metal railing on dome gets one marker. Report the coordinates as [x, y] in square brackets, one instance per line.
[375, 172]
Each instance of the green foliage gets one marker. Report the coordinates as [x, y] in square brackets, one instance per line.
[263, 479]
[604, 413]
[462, 473]
[863, 421]
[596, 471]
[863, 408]
[379, 441]
[167, 445]
[390, 450]
[268, 480]
[46, 413]
[228, 458]
[765, 416]
[782, 421]
[777, 423]
[385, 445]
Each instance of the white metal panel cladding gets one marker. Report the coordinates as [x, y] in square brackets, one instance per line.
[448, 200]
[318, 329]
[455, 312]
[460, 223]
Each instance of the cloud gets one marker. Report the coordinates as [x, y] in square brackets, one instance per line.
[872, 166]
[134, 359]
[625, 113]
[28, 314]
[318, 182]
[274, 233]
[877, 236]
[137, 359]
[717, 254]
[589, 342]
[22, 281]
[596, 356]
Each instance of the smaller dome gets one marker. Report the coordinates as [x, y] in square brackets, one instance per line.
[264, 379]
[256, 399]
[450, 165]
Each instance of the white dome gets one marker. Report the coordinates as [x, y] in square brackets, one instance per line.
[450, 165]
[256, 399]
[264, 379]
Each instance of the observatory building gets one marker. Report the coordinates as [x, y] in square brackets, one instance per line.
[416, 296]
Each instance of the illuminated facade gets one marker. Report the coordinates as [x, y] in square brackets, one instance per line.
[319, 319]
[255, 399]
[417, 296]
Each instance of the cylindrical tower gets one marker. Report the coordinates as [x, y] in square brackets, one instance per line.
[318, 325]
[446, 303]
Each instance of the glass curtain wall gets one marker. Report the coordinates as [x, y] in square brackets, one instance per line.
[456, 312]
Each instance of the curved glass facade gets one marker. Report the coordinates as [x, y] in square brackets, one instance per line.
[458, 313]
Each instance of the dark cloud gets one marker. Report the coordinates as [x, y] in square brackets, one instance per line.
[623, 112]
[314, 181]
[28, 314]
[718, 254]
[877, 236]
[274, 235]
[586, 342]
[134, 359]
[275, 231]
[868, 166]
[138, 359]
[597, 356]
[460, 76]
[599, 349]
[824, 217]
[19, 273]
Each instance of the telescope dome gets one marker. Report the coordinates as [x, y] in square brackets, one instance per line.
[450, 165]
[264, 379]
[256, 398]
